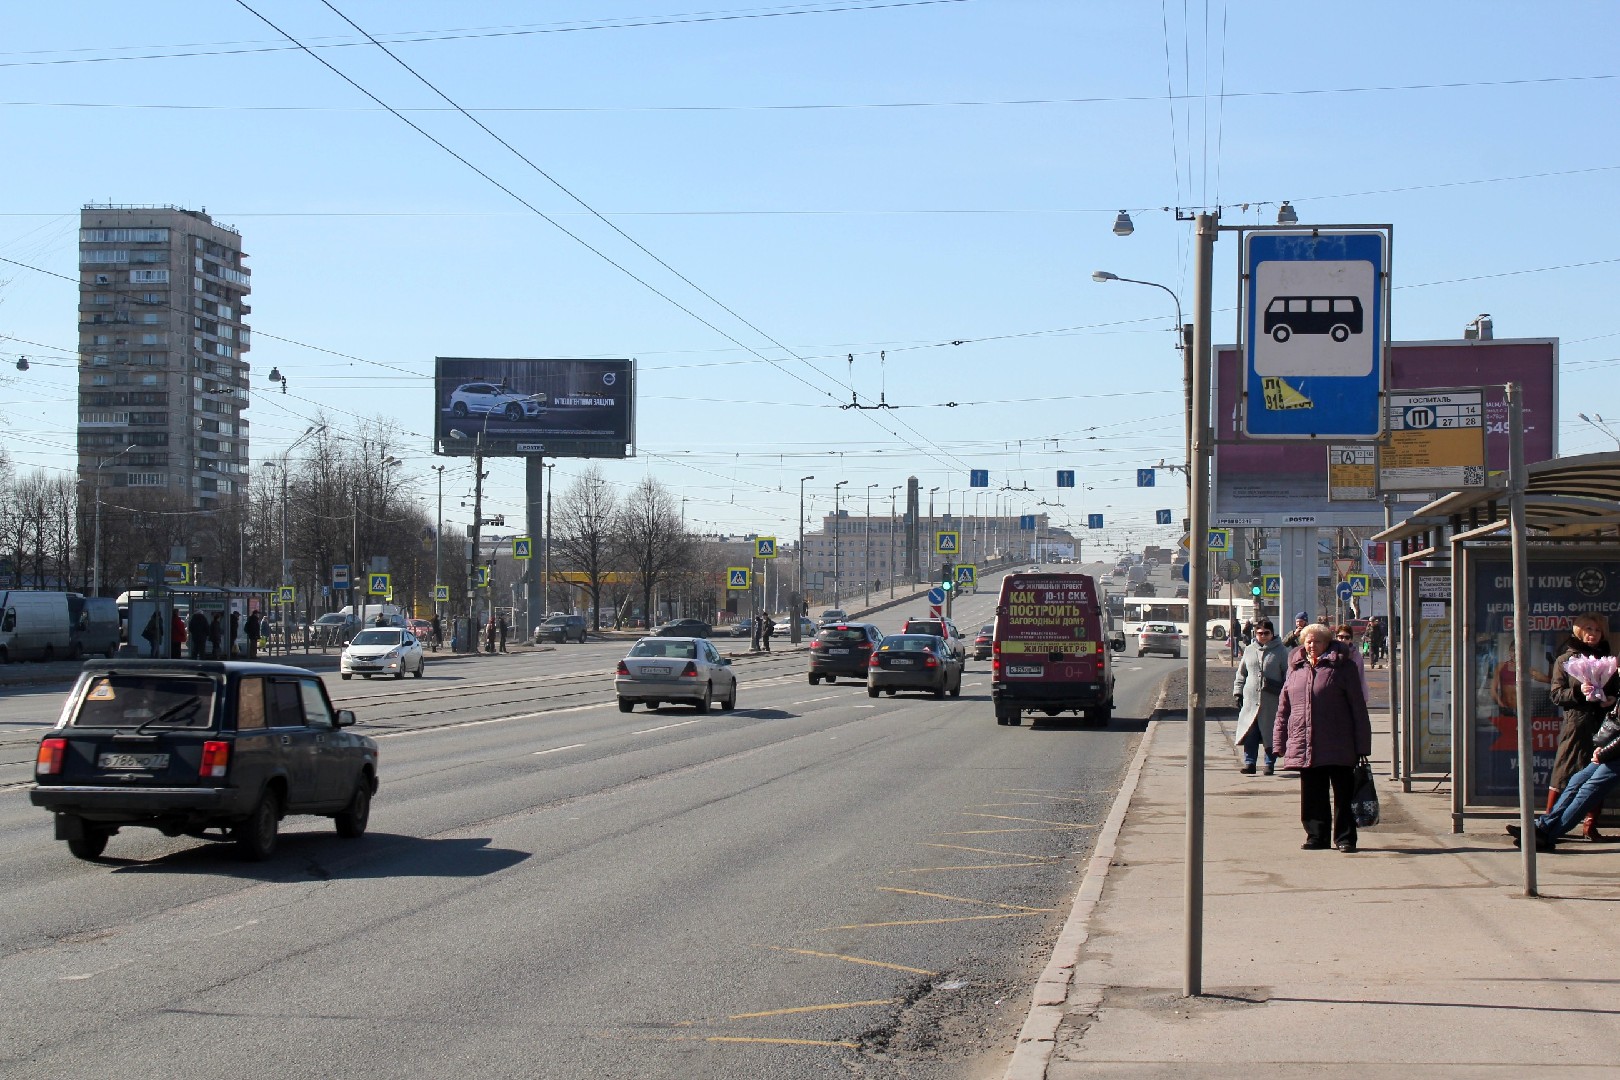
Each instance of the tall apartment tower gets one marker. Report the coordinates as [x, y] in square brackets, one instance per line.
[163, 347]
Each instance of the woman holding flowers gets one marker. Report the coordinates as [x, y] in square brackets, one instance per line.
[1584, 684]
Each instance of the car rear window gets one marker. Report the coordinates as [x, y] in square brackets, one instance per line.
[841, 634]
[679, 650]
[377, 637]
[159, 701]
[924, 626]
[910, 643]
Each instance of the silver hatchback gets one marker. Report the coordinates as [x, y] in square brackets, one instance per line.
[688, 670]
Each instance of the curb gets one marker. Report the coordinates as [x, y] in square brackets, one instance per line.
[1037, 1040]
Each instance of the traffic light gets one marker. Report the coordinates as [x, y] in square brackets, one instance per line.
[1254, 589]
[947, 577]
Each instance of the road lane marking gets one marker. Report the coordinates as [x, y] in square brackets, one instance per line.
[935, 922]
[664, 727]
[781, 1042]
[813, 1008]
[852, 959]
[979, 866]
[490, 720]
[559, 749]
[993, 851]
[960, 899]
[1030, 820]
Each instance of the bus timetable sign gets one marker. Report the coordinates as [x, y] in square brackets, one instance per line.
[1316, 304]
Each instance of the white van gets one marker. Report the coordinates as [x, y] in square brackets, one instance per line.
[34, 626]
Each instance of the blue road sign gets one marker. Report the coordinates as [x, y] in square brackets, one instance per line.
[340, 575]
[936, 595]
[1344, 590]
[1186, 571]
[1026, 521]
[765, 547]
[947, 542]
[1313, 332]
[520, 547]
[1219, 540]
[1271, 585]
[1094, 521]
[1161, 517]
[978, 478]
[738, 577]
[1144, 477]
[1065, 478]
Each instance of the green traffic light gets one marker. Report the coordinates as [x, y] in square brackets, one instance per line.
[1254, 590]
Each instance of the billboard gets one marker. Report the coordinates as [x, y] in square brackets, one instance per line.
[1275, 484]
[534, 407]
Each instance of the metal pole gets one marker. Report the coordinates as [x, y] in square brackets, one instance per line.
[1389, 643]
[1521, 634]
[867, 529]
[545, 573]
[478, 517]
[1198, 570]
[438, 536]
[798, 613]
[894, 571]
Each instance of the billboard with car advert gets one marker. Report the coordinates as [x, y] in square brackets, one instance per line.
[1274, 484]
[534, 407]
[1564, 584]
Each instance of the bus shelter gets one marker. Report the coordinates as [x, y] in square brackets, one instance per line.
[1455, 680]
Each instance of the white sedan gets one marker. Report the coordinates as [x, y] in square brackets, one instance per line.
[493, 399]
[382, 650]
[682, 669]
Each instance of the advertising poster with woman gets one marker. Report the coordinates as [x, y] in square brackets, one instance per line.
[1563, 586]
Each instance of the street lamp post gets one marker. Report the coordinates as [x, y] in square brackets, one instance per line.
[933, 527]
[545, 569]
[894, 569]
[838, 580]
[95, 556]
[868, 531]
[438, 529]
[798, 613]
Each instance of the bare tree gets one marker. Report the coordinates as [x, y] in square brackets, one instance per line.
[582, 534]
[651, 542]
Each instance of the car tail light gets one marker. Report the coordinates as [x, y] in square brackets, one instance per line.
[622, 669]
[51, 754]
[689, 671]
[932, 661]
[817, 644]
[873, 662]
[215, 756]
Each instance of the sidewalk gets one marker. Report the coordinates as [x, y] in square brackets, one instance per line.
[1419, 955]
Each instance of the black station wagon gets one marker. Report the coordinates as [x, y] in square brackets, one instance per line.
[218, 750]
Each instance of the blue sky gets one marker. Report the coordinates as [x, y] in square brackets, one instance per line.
[923, 186]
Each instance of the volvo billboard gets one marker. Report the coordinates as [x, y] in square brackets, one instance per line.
[534, 407]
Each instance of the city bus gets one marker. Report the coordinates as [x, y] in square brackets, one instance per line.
[1218, 611]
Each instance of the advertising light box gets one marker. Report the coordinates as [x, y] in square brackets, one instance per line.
[534, 407]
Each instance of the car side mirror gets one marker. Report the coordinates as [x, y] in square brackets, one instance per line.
[725, 661]
[345, 718]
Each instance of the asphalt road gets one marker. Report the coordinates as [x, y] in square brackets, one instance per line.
[818, 884]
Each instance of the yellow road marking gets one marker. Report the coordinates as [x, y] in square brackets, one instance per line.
[992, 851]
[1033, 821]
[852, 959]
[937, 922]
[959, 899]
[812, 1008]
[781, 1042]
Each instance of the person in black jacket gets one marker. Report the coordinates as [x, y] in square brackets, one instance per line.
[1584, 791]
[1582, 716]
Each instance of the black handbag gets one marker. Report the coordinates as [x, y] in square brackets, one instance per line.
[1364, 797]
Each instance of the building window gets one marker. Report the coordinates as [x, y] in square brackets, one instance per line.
[149, 479]
[106, 255]
[151, 318]
[149, 277]
[152, 298]
[151, 339]
[123, 236]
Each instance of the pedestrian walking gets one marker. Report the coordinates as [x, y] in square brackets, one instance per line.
[236, 622]
[216, 635]
[1301, 620]
[191, 633]
[767, 628]
[489, 635]
[1344, 639]
[1584, 707]
[251, 628]
[1377, 638]
[153, 632]
[501, 628]
[1322, 729]
[1583, 792]
[438, 631]
[1260, 677]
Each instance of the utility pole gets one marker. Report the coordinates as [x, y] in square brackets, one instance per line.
[477, 551]
[95, 559]
[868, 531]
[545, 573]
[838, 579]
[798, 605]
[438, 531]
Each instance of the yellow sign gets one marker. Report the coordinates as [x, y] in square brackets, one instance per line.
[1359, 584]
[287, 594]
[947, 542]
[765, 547]
[378, 584]
[521, 546]
[738, 577]
[441, 593]
[1078, 648]
[1278, 395]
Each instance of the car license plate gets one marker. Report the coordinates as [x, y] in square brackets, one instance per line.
[895, 661]
[837, 652]
[133, 761]
[1024, 669]
[651, 670]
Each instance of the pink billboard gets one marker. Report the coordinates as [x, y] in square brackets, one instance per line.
[1272, 484]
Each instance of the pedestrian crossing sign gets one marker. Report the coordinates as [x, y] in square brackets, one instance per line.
[947, 542]
[1359, 584]
[441, 593]
[378, 584]
[1270, 584]
[287, 594]
[520, 547]
[1220, 540]
[966, 574]
[765, 547]
[738, 577]
[481, 576]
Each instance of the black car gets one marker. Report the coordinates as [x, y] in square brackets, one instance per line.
[941, 628]
[914, 662]
[984, 641]
[205, 748]
[561, 628]
[684, 628]
[842, 649]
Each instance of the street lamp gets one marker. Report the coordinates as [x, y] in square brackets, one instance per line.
[95, 558]
[868, 530]
[793, 634]
[1597, 421]
[933, 527]
[894, 569]
[1183, 333]
[286, 621]
[838, 581]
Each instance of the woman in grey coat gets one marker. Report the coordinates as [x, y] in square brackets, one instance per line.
[1260, 676]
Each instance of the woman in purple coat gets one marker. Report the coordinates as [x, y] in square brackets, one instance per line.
[1322, 729]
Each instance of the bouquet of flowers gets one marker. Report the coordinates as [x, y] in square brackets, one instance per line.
[1595, 671]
